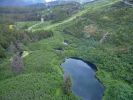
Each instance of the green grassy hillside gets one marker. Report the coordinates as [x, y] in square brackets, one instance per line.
[113, 53]
[101, 33]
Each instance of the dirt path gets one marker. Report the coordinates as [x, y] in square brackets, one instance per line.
[30, 28]
[75, 16]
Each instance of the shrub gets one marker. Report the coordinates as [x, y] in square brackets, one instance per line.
[119, 91]
[67, 85]
[17, 64]
[2, 52]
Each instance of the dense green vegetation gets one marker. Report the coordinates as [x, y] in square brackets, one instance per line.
[53, 13]
[113, 56]
[7, 36]
[61, 12]
[102, 35]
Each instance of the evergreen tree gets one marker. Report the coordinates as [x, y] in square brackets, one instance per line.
[67, 85]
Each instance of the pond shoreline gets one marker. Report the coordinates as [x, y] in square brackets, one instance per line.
[89, 84]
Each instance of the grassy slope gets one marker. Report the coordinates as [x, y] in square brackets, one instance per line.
[113, 57]
[94, 6]
[42, 76]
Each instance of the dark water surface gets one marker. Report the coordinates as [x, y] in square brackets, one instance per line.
[85, 84]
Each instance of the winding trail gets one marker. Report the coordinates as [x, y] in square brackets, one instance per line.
[100, 4]
[31, 27]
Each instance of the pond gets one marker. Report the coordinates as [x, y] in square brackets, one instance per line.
[84, 82]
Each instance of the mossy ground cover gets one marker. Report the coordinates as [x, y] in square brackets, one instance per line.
[42, 76]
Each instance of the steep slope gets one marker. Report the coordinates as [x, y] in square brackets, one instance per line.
[91, 7]
[109, 34]
[19, 2]
[109, 21]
